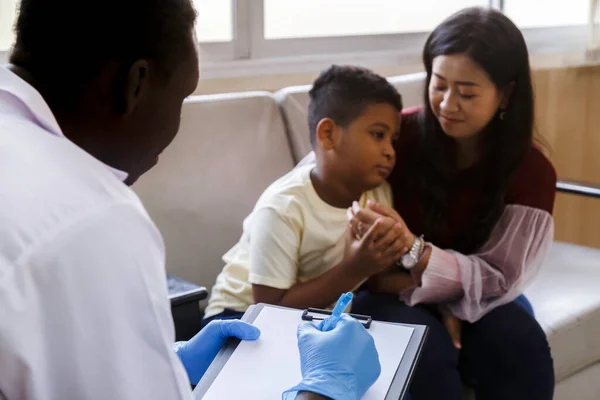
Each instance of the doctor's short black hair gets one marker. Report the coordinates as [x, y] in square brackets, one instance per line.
[64, 44]
[343, 92]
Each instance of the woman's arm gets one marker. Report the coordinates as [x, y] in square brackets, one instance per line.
[472, 285]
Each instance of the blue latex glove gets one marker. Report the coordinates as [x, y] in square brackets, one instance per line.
[198, 353]
[340, 364]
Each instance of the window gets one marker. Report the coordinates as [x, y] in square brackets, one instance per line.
[547, 13]
[285, 19]
[215, 20]
[7, 16]
[292, 28]
[238, 37]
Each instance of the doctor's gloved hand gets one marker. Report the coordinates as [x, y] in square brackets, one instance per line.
[198, 353]
[340, 364]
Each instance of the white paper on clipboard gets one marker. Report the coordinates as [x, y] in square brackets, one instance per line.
[264, 369]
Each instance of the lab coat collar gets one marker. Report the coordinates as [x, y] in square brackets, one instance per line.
[35, 103]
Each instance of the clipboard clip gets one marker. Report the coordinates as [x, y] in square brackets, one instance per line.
[317, 314]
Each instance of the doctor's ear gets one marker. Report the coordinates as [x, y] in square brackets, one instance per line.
[130, 87]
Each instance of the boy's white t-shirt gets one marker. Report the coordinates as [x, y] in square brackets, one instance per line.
[291, 236]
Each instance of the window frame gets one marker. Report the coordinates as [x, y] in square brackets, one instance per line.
[403, 43]
[249, 53]
[255, 55]
[238, 47]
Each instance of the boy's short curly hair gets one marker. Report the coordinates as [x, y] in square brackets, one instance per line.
[342, 93]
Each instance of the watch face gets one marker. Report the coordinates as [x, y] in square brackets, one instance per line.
[409, 261]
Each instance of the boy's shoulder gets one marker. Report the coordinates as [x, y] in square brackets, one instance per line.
[381, 194]
[293, 194]
[289, 191]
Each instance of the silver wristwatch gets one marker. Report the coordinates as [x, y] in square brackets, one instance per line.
[412, 258]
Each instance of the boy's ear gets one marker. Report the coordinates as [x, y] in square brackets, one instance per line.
[326, 133]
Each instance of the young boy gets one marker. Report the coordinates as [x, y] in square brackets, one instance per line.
[296, 249]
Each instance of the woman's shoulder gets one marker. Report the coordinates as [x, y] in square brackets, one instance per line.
[410, 118]
[534, 182]
[406, 143]
[409, 129]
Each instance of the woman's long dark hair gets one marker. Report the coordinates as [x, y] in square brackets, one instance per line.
[491, 40]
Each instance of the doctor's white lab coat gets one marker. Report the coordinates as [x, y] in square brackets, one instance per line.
[84, 312]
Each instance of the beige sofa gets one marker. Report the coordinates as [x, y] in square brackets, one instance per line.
[232, 146]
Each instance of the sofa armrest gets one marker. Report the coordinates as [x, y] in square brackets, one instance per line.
[579, 188]
[181, 291]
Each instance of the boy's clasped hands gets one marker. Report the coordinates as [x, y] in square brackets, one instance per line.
[375, 241]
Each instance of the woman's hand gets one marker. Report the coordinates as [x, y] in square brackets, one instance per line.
[454, 327]
[392, 230]
[364, 257]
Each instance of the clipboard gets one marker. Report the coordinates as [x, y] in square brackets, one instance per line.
[317, 314]
[401, 379]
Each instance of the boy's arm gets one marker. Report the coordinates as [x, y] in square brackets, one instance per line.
[319, 292]
[275, 244]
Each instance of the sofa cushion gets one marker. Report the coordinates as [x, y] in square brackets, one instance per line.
[410, 87]
[230, 147]
[294, 101]
[584, 385]
[566, 300]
